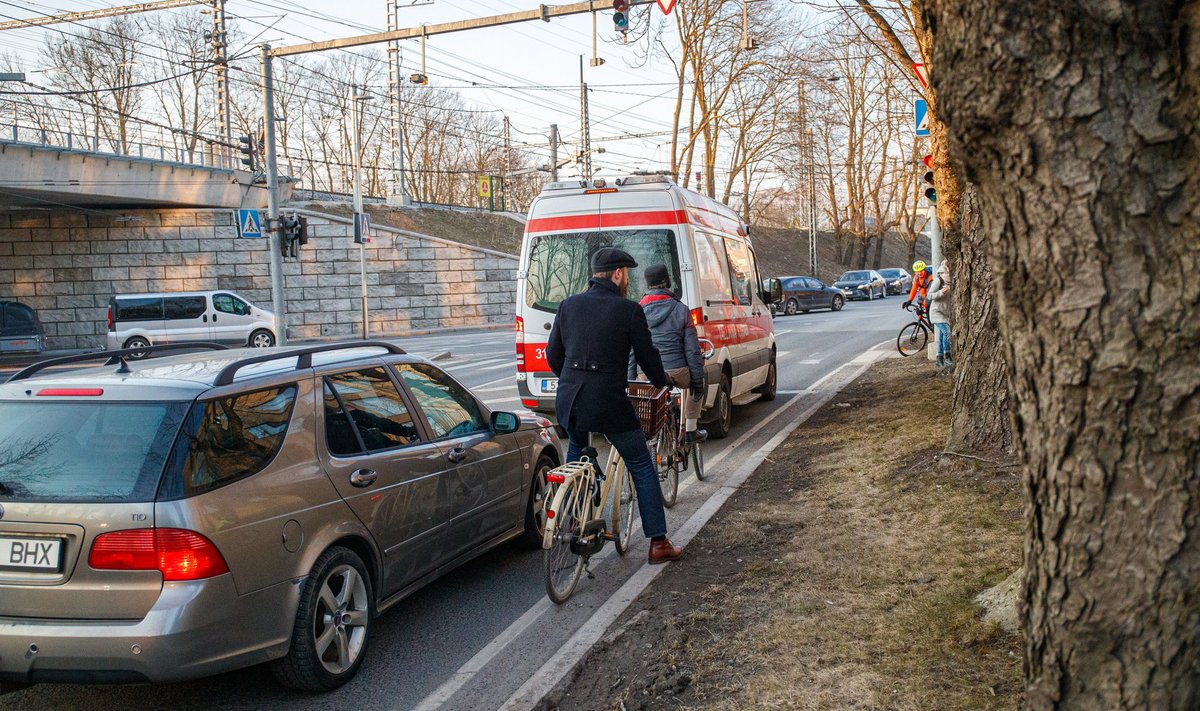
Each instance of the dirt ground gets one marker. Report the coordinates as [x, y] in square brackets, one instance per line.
[841, 576]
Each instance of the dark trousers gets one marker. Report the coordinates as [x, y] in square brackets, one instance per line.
[632, 447]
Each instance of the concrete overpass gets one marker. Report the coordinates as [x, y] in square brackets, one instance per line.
[34, 174]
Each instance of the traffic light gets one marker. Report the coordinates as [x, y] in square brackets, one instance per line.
[621, 15]
[930, 192]
[246, 148]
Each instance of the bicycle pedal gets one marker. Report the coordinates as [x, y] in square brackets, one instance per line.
[608, 536]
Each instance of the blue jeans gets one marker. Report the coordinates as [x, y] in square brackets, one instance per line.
[632, 447]
[943, 338]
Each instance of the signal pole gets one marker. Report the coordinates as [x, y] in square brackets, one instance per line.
[276, 242]
[585, 140]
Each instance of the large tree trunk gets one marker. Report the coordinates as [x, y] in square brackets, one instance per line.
[1078, 123]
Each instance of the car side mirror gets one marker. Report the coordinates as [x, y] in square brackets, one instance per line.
[505, 423]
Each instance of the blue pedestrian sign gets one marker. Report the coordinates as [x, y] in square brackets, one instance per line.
[249, 224]
[921, 115]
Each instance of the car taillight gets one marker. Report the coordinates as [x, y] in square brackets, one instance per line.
[110, 319]
[176, 553]
[70, 392]
[697, 316]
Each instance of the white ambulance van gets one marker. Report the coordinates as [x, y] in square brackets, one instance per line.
[707, 250]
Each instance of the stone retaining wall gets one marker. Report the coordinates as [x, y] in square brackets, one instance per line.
[68, 264]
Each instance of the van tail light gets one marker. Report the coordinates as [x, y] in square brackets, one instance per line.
[520, 345]
[110, 319]
[176, 553]
[697, 315]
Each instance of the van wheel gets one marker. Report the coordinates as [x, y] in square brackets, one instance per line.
[719, 427]
[790, 307]
[262, 338]
[535, 513]
[332, 627]
[769, 388]
[137, 342]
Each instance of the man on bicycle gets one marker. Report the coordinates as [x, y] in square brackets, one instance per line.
[922, 278]
[589, 351]
[675, 338]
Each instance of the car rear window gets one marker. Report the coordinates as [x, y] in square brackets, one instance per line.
[85, 451]
[228, 439]
[559, 264]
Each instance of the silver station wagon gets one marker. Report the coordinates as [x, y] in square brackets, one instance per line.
[191, 514]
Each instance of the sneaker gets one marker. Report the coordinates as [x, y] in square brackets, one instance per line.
[695, 436]
[941, 362]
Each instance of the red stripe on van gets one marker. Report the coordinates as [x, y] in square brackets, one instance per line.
[598, 220]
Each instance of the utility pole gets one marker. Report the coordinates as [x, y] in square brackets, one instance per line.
[935, 239]
[399, 194]
[585, 140]
[507, 163]
[359, 232]
[220, 44]
[808, 156]
[554, 152]
[278, 303]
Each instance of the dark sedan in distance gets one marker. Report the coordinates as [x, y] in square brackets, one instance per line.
[803, 294]
[899, 281]
[861, 284]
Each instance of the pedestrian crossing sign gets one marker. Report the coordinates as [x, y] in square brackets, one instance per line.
[249, 224]
[921, 116]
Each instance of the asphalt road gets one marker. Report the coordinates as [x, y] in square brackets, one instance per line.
[473, 639]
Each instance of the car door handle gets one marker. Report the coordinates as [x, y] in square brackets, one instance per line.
[456, 455]
[363, 477]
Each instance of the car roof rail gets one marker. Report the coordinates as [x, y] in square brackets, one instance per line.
[114, 357]
[303, 357]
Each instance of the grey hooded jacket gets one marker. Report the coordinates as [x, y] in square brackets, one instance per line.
[673, 334]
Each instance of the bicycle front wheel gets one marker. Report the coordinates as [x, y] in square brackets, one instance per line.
[623, 507]
[562, 567]
[698, 460]
[912, 339]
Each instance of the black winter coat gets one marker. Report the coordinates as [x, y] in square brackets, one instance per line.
[589, 351]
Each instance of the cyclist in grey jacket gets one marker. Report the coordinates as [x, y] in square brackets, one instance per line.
[675, 338]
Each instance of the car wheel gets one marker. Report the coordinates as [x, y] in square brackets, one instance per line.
[262, 338]
[837, 303]
[535, 512]
[332, 627]
[790, 307]
[720, 426]
[770, 388]
[137, 342]
[883, 293]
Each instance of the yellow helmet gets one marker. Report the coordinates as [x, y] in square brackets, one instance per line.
[918, 267]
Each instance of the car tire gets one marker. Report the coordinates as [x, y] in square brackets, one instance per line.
[137, 342]
[790, 307]
[836, 303]
[719, 427]
[770, 388]
[262, 338]
[535, 514]
[306, 667]
[883, 294]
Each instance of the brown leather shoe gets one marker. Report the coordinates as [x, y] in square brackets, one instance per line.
[663, 552]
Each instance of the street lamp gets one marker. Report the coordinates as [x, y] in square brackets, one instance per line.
[359, 232]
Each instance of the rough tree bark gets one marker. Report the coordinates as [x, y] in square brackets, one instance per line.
[1078, 121]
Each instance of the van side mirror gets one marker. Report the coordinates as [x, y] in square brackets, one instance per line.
[773, 294]
[505, 423]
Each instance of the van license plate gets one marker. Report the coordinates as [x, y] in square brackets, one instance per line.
[31, 553]
[549, 385]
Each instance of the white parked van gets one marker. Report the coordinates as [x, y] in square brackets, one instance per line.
[707, 250]
[137, 320]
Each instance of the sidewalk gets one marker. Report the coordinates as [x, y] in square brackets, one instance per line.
[841, 575]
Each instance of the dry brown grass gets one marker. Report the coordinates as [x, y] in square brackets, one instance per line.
[853, 558]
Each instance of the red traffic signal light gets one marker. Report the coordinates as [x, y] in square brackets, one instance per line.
[928, 161]
[621, 6]
[620, 15]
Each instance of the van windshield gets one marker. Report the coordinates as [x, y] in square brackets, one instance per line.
[85, 451]
[559, 263]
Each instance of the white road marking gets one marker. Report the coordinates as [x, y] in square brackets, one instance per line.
[509, 363]
[574, 649]
[511, 385]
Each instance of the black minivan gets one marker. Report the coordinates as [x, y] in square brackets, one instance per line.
[20, 329]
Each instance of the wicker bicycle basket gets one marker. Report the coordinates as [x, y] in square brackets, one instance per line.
[650, 404]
